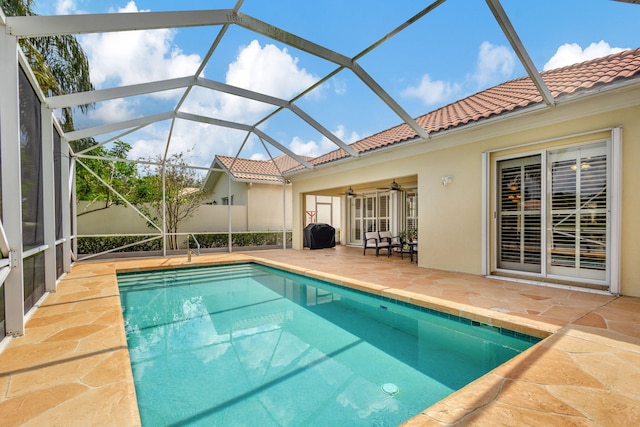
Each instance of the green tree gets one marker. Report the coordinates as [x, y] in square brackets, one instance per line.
[183, 195]
[121, 176]
[58, 62]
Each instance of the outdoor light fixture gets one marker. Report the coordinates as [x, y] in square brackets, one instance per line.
[446, 180]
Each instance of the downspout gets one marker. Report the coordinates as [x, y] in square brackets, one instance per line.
[164, 212]
[230, 239]
[284, 213]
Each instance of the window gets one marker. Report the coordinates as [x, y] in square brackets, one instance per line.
[31, 168]
[226, 200]
[551, 213]
[380, 211]
[411, 220]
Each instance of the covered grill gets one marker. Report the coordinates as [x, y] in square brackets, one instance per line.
[319, 236]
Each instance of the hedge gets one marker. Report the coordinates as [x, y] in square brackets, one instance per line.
[94, 245]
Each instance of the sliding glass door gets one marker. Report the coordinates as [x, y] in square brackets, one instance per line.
[578, 212]
[369, 212]
[551, 215]
[520, 214]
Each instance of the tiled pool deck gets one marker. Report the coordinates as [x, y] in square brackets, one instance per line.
[72, 366]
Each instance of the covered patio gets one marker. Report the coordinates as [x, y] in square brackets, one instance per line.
[71, 367]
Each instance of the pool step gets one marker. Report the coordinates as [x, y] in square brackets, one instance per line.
[186, 276]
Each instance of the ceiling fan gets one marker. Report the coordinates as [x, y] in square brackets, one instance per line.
[350, 193]
[393, 186]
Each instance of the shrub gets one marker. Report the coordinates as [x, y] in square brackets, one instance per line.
[94, 245]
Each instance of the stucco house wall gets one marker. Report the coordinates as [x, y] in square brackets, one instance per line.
[265, 206]
[451, 217]
[221, 190]
[125, 220]
[256, 207]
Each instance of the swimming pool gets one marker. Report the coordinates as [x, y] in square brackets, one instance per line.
[251, 345]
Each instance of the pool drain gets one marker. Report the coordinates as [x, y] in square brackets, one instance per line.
[390, 389]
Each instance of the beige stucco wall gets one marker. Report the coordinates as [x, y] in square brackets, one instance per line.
[221, 190]
[450, 218]
[265, 206]
[125, 220]
[261, 210]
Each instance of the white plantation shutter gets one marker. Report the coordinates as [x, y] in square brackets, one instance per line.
[519, 214]
[578, 236]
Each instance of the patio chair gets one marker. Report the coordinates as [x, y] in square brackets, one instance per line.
[372, 241]
[413, 251]
[395, 242]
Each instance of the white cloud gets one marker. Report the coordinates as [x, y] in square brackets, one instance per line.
[268, 70]
[495, 64]
[124, 58]
[572, 53]
[302, 148]
[65, 7]
[432, 92]
[263, 69]
[312, 148]
[339, 86]
[113, 111]
[341, 133]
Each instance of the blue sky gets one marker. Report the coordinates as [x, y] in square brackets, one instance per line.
[452, 52]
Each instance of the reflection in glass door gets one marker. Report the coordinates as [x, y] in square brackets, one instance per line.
[519, 214]
[356, 219]
[577, 233]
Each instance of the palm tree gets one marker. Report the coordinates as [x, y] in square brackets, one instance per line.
[58, 62]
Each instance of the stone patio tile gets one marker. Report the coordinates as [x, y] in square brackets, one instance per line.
[608, 337]
[55, 373]
[458, 405]
[604, 407]
[618, 375]
[520, 394]
[96, 408]
[17, 358]
[544, 365]
[25, 409]
[504, 415]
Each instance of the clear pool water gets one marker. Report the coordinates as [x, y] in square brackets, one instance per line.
[246, 345]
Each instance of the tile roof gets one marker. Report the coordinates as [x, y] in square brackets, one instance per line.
[259, 170]
[504, 98]
[501, 99]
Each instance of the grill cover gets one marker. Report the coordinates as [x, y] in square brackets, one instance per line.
[319, 236]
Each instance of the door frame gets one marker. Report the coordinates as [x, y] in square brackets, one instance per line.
[489, 202]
